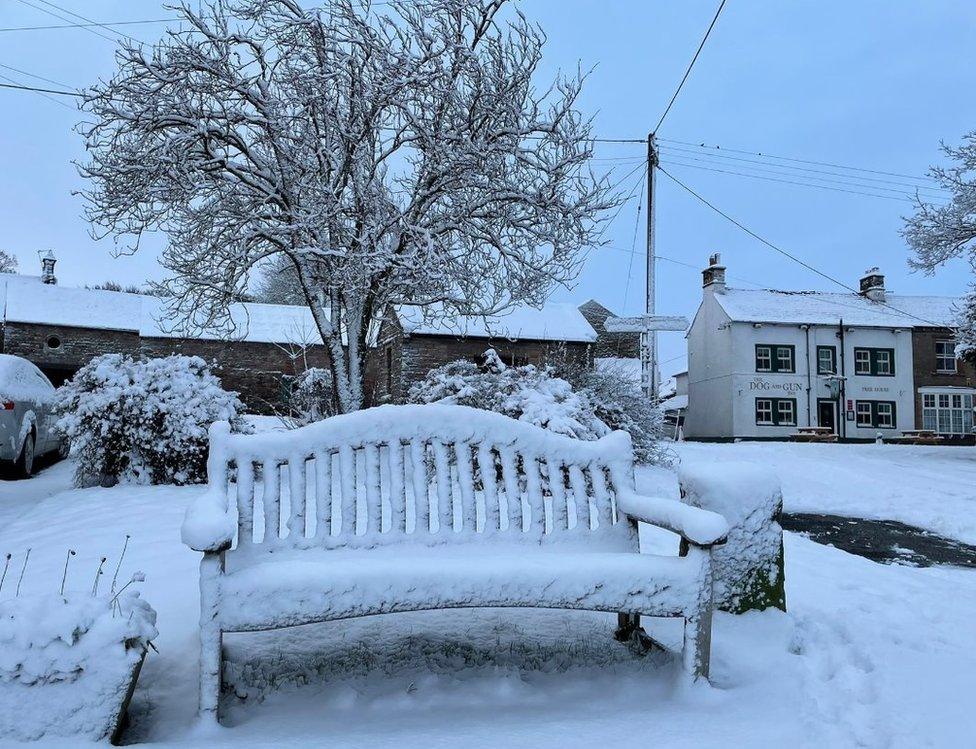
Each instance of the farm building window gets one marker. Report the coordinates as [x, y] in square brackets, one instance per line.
[53, 342]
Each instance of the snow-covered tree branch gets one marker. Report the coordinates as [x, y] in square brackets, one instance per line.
[402, 157]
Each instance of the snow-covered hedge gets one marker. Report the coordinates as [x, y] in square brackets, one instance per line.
[142, 421]
[66, 662]
[749, 567]
[599, 403]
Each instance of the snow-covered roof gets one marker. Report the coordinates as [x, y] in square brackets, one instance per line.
[674, 403]
[827, 308]
[554, 322]
[27, 300]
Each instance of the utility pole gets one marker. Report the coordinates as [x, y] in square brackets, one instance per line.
[649, 337]
[649, 323]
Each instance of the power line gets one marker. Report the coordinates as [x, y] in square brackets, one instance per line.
[34, 75]
[690, 66]
[633, 248]
[106, 24]
[88, 20]
[694, 155]
[904, 198]
[39, 90]
[789, 255]
[798, 161]
[63, 18]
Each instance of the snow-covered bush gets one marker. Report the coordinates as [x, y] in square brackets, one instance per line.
[312, 396]
[142, 421]
[526, 393]
[620, 404]
[749, 567]
[66, 662]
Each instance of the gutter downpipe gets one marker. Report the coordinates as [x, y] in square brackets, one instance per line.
[841, 411]
[809, 384]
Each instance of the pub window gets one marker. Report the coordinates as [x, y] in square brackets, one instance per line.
[772, 358]
[945, 357]
[776, 412]
[826, 360]
[876, 414]
[879, 362]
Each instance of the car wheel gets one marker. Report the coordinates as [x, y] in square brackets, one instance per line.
[25, 463]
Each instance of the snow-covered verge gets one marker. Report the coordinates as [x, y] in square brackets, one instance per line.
[869, 655]
[66, 662]
[931, 487]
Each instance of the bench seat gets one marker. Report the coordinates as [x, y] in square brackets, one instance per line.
[287, 590]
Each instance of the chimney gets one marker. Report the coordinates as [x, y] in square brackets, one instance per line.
[872, 285]
[714, 275]
[47, 267]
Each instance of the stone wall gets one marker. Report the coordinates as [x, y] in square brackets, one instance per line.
[618, 345]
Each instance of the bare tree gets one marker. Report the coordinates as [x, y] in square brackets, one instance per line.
[938, 233]
[403, 157]
[8, 262]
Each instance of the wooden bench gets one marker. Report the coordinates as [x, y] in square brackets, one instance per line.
[916, 437]
[328, 526]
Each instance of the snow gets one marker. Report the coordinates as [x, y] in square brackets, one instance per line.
[674, 403]
[554, 322]
[22, 381]
[933, 487]
[869, 655]
[28, 300]
[827, 308]
[65, 662]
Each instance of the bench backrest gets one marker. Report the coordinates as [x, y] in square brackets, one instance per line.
[428, 474]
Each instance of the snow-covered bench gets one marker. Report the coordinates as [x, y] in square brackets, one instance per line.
[328, 526]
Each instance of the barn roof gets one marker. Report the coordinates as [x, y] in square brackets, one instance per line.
[555, 321]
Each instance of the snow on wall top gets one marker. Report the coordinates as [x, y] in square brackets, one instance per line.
[825, 308]
[27, 300]
[554, 322]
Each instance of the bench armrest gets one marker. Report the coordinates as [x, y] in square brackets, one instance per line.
[696, 526]
[208, 524]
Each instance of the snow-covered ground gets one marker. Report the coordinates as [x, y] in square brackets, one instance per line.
[869, 655]
[931, 487]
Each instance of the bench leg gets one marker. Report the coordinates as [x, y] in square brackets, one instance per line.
[696, 653]
[211, 638]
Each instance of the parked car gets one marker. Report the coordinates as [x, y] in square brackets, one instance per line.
[26, 419]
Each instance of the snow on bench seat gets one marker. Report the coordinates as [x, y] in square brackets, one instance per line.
[405, 508]
[344, 585]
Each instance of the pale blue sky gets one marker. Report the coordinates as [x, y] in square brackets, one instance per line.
[871, 84]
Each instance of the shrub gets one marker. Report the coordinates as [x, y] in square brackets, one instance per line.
[144, 421]
[311, 396]
[596, 403]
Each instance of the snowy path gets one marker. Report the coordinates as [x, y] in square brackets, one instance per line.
[19, 497]
[930, 487]
[869, 655]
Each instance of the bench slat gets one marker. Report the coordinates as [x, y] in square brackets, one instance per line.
[533, 486]
[272, 500]
[323, 494]
[418, 475]
[296, 496]
[347, 484]
[469, 513]
[489, 487]
[245, 503]
[374, 492]
[513, 492]
[442, 469]
[560, 501]
[577, 482]
[398, 496]
[602, 496]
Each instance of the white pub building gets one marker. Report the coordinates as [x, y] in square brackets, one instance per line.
[763, 363]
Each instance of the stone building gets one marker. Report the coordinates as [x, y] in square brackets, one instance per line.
[945, 386]
[409, 344]
[61, 328]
